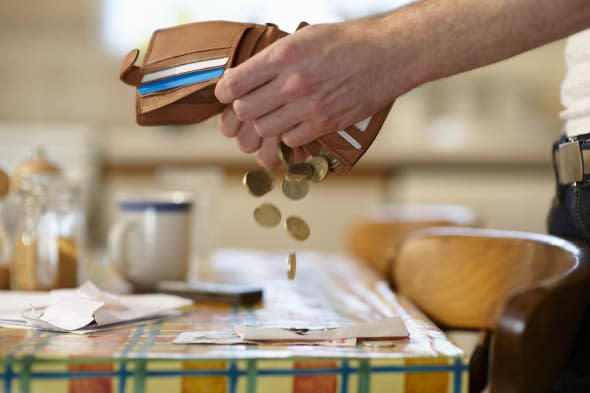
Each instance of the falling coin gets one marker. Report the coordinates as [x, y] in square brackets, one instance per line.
[320, 168]
[286, 154]
[267, 215]
[4, 184]
[297, 228]
[291, 265]
[259, 181]
[295, 189]
[299, 171]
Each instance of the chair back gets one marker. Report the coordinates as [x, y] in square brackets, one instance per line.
[374, 238]
[529, 290]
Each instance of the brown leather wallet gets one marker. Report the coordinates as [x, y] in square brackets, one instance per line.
[216, 45]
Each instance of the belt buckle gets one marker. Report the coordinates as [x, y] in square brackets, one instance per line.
[569, 162]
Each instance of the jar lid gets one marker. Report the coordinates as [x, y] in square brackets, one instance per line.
[36, 165]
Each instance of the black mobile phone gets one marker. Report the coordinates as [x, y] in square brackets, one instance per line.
[230, 293]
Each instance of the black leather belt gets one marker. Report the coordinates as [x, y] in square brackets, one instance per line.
[571, 159]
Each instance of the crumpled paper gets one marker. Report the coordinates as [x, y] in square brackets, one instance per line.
[86, 309]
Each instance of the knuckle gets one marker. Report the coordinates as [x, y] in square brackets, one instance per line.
[283, 54]
[298, 85]
[318, 108]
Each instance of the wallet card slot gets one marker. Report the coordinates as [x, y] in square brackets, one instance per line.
[157, 100]
[184, 68]
[350, 139]
[192, 57]
[180, 81]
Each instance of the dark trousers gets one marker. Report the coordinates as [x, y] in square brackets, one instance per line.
[569, 216]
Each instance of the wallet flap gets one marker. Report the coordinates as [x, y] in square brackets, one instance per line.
[129, 73]
[193, 37]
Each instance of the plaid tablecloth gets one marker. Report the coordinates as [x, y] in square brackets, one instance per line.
[328, 289]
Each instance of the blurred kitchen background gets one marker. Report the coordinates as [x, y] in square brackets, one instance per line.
[481, 139]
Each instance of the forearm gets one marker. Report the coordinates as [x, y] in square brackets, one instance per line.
[446, 37]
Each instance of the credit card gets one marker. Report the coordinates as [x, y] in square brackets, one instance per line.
[181, 69]
[180, 81]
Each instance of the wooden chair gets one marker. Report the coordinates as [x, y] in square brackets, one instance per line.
[374, 237]
[528, 290]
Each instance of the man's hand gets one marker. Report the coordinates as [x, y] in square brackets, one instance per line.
[323, 78]
[318, 80]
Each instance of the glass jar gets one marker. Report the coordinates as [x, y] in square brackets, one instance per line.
[4, 255]
[4, 242]
[47, 233]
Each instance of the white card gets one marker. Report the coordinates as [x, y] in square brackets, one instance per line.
[181, 69]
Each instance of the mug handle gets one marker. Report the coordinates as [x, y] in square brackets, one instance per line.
[117, 239]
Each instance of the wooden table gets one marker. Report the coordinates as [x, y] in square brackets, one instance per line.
[328, 289]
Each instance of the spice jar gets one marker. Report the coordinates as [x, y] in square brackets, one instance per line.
[46, 236]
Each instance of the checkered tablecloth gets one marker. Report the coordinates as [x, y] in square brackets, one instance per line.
[328, 289]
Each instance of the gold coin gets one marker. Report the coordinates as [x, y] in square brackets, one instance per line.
[259, 181]
[297, 228]
[286, 154]
[299, 171]
[295, 189]
[267, 215]
[291, 265]
[4, 184]
[320, 168]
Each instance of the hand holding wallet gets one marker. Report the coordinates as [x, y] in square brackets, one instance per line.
[176, 83]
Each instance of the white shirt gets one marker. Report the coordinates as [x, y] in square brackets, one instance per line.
[575, 90]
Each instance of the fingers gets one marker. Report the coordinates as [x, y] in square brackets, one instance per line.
[280, 120]
[238, 81]
[300, 135]
[228, 122]
[268, 155]
[248, 140]
[259, 102]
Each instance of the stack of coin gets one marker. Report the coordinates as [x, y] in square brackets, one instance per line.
[295, 186]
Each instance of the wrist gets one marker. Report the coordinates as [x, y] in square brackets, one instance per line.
[405, 50]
